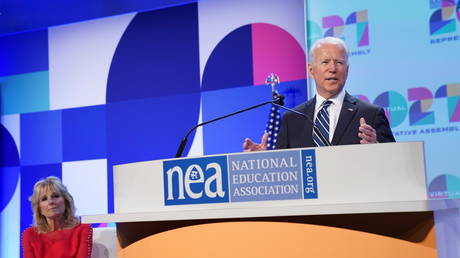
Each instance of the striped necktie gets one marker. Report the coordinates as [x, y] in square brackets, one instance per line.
[322, 122]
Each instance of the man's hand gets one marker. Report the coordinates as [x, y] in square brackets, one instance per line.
[249, 145]
[366, 132]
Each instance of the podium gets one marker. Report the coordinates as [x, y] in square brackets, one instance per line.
[344, 201]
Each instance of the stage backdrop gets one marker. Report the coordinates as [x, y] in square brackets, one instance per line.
[405, 62]
[80, 98]
[404, 56]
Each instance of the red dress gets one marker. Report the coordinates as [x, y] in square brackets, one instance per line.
[75, 242]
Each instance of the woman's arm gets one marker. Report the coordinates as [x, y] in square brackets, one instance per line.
[85, 242]
[26, 246]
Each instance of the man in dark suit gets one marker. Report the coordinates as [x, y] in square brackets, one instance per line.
[348, 120]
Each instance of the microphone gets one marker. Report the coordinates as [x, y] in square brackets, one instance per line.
[315, 128]
[278, 101]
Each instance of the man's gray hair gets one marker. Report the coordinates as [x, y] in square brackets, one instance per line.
[327, 40]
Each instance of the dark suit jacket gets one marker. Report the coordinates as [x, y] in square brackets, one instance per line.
[297, 132]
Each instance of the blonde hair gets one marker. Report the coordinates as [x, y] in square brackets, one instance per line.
[54, 184]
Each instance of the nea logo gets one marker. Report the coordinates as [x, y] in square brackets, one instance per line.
[195, 181]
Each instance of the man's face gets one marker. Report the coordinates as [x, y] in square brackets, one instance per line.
[329, 69]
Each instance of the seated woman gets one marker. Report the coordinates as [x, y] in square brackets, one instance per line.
[56, 231]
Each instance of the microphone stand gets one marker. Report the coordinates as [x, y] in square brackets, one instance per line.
[181, 148]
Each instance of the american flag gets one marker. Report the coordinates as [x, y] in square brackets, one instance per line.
[273, 125]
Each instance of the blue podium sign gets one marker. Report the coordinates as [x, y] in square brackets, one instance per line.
[196, 180]
[245, 177]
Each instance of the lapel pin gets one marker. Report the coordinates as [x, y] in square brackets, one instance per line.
[350, 109]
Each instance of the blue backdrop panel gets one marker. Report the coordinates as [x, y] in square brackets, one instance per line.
[23, 53]
[23, 93]
[84, 133]
[41, 138]
[20, 16]
[9, 167]
[230, 64]
[157, 55]
[295, 92]
[149, 129]
[227, 136]
[9, 177]
[9, 155]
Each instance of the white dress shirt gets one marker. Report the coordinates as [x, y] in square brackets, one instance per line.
[333, 109]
